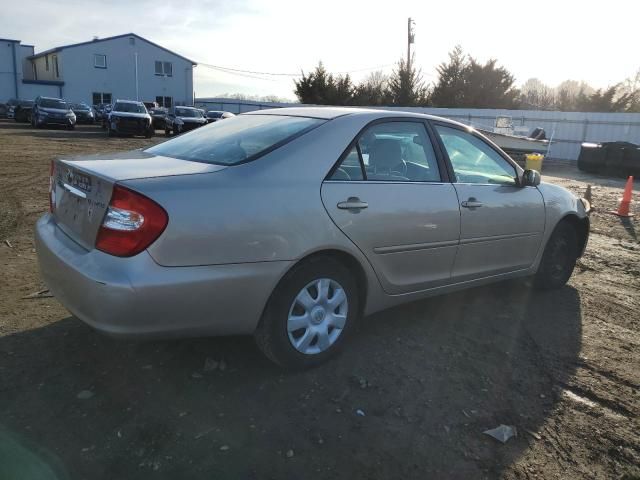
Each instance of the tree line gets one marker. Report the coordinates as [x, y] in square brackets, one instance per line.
[463, 82]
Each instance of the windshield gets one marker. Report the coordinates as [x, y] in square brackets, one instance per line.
[188, 112]
[54, 103]
[80, 106]
[214, 114]
[129, 108]
[235, 140]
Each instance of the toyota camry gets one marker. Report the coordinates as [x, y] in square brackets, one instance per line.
[293, 224]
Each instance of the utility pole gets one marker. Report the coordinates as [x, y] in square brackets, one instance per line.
[410, 38]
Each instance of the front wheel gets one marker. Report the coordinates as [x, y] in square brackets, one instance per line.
[309, 315]
[559, 258]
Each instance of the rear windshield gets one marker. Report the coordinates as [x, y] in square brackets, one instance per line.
[129, 107]
[235, 140]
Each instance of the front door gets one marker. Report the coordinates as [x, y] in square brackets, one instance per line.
[501, 223]
[387, 195]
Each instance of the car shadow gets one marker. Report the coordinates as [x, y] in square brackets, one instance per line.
[408, 398]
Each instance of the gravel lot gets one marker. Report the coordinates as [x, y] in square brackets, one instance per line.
[430, 377]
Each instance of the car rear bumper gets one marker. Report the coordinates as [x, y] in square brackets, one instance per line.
[136, 297]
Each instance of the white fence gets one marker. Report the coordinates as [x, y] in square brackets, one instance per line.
[567, 130]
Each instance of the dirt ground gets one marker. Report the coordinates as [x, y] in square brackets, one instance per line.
[409, 398]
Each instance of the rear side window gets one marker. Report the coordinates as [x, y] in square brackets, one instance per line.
[236, 140]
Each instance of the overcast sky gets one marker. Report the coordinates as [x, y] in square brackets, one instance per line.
[554, 40]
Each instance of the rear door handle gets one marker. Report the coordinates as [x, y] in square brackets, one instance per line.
[352, 203]
[471, 203]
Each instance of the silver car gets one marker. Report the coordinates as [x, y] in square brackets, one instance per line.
[291, 224]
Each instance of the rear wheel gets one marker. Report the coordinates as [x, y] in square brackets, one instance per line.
[559, 258]
[309, 315]
[167, 132]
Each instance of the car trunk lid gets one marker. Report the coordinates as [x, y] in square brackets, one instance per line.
[81, 188]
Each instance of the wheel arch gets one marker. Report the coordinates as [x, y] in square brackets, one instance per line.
[581, 226]
[341, 256]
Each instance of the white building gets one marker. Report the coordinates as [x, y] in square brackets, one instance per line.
[99, 71]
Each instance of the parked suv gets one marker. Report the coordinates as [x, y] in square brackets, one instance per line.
[129, 117]
[182, 119]
[52, 111]
[84, 113]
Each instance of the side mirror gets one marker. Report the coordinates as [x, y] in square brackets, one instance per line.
[530, 178]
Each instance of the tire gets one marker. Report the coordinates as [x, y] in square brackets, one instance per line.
[149, 133]
[559, 258]
[167, 132]
[176, 131]
[110, 132]
[272, 334]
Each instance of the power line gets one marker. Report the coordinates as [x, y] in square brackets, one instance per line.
[248, 73]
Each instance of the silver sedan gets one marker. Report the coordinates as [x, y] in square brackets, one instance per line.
[292, 224]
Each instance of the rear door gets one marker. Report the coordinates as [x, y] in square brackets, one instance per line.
[501, 223]
[390, 195]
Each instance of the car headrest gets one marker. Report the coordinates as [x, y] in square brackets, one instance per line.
[385, 153]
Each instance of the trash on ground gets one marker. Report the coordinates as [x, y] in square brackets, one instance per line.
[8, 243]
[289, 453]
[502, 433]
[40, 294]
[210, 364]
[360, 413]
[85, 395]
[533, 434]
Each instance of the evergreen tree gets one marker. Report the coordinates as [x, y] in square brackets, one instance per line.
[406, 87]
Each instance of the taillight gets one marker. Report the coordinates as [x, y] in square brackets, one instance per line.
[52, 191]
[131, 224]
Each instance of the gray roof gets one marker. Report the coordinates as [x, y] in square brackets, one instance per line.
[57, 49]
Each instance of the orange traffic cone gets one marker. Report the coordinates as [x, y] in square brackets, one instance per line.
[623, 209]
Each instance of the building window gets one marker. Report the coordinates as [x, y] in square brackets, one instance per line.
[46, 62]
[99, 61]
[166, 102]
[164, 68]
[55, 65]
[99, 97]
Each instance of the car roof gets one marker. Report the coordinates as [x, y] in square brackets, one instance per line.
[328, 113]
[184, 106]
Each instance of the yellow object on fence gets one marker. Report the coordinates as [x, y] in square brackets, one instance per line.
[533, 161]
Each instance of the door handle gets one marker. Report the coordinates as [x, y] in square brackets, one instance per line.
[352, 203]
[471, 203]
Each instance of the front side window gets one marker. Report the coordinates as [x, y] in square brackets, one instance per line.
[391, 151]
[235, 140]
[99, 61]
[473, 160]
